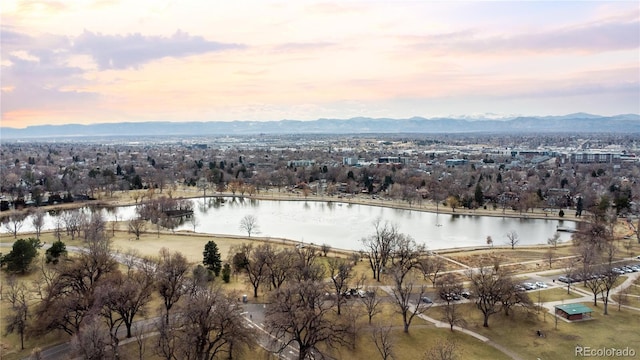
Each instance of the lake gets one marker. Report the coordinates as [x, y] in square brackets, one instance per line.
[342, 225]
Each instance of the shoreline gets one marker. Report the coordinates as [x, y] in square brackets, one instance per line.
[423, 206]
[125, 198]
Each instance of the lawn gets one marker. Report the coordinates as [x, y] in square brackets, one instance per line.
[518, 331]
[553, 294]
[421, 337]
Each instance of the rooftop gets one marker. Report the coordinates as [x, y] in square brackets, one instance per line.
[574, 308]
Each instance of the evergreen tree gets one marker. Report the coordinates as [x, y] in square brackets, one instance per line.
[479, 195]
[226, 273]
[56, 250]
[212, 259]
[21, 255]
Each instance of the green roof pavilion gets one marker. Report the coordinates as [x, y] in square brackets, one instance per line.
[574, 311]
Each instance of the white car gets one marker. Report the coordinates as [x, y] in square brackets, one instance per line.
[541, 285]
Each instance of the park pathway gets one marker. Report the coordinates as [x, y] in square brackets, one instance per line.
[442, 324]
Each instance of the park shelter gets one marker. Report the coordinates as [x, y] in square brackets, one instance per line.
[573, 311]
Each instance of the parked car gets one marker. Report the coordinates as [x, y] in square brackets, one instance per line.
[528, 286]
[540, 285]
[518, 287]
[466, 294]
[446, 296]
[449, 296]
[618, 271]
[565, 279]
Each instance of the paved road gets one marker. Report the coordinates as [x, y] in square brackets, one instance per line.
[255, 314]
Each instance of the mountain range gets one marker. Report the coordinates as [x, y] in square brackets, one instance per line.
[572, 123]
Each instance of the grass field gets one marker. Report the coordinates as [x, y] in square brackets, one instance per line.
[554, 294]
[518, 331]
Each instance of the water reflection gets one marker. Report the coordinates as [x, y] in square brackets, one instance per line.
[341, 224]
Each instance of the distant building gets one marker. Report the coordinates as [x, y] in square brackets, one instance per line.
[595, 158]
[455, 162]
[301, 163]
[392, 160]
[351, 161]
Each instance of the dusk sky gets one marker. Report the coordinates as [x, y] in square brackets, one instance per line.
[144, 60]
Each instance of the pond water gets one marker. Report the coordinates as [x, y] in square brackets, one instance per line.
[342, 225]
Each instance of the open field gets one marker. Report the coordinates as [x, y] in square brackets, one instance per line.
[518, 331]
[554, 294]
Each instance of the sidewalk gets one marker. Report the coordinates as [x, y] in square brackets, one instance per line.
[442, 324]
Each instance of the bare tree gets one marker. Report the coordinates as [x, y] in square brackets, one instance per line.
[171, 278]
[510, 296]
[209, 324]
[406, 258]
[13, 223]
[431, 266]
[340, 272]
[167, 341]
[597, 232]
[325, 248]
[453, 202]
[378, 246]
[443, 350]
[610, 277]
[622, 298]
[279, 265]
[594, 283]
[37, 220]
[513, 239]
[305, 265]
[382, 339]
[249, 223]
[203, 185]
[130, 258]
[57, 230]
[371, 302]
[297, 314]
[18, 296]
[256, 264]
[549, 256]
[139, 332]
[69, 295]
[72, 221]
[570, 269]
[449, 286]
[486, 285]
[92, 341]
[193, 220]
[137, 226]
[126, 295]
[554, 240]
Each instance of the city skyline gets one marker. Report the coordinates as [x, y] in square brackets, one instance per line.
[124, 61]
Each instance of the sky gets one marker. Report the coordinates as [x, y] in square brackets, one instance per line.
[100, 61]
